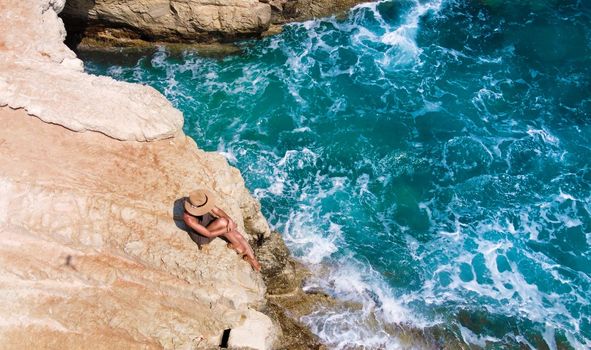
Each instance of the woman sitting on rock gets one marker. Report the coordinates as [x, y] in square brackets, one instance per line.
[205, 218]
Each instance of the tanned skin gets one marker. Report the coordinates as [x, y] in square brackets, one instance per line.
[224, 227]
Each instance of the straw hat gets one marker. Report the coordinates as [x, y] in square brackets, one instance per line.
[199, 202]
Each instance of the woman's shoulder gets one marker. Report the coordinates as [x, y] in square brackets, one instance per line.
[189, 217]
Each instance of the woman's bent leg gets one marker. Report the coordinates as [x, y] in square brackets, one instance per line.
[249, 256]
[217, 224]
[234, 243]
[237, 242]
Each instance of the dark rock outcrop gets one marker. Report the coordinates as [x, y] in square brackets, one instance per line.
[302, 10]
[286, 300]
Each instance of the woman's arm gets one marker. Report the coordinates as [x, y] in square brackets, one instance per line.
[191, 221]
[222, 214]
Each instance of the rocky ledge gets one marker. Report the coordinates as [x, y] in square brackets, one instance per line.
[92, 172]
[134, 22]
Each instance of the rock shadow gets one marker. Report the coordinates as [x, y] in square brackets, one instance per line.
[76, 26]
[177, 215]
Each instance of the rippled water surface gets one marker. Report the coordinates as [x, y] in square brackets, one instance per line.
[429, 159]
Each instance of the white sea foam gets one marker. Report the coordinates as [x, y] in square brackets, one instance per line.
[562, 197]
[343, 329]
[545, 135]
[299, 158]
[404, 36]
[472, 338]
[311, 243]
[115, 71]
[159, 58]
[302, 129]
[530, 227]
[517, 294]
[427, 107]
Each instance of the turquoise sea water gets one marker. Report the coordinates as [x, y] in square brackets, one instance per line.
[430, 160]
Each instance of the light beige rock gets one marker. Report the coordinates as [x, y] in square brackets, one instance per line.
[175, 19]
[253, 333]
[90, 255]
[82, 102]
[40, 74]
[31, 30]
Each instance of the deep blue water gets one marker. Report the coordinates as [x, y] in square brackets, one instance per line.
[428, 159]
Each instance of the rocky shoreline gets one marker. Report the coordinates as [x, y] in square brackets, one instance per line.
[91, 170]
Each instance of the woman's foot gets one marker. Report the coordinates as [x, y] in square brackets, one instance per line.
[253, 262]
[249, 259]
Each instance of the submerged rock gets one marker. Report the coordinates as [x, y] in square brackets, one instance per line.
[278, 268]
[286, 300]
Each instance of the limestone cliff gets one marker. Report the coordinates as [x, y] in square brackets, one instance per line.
[39, 73]
[90, 253]
[90, 256]
[134, 21]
